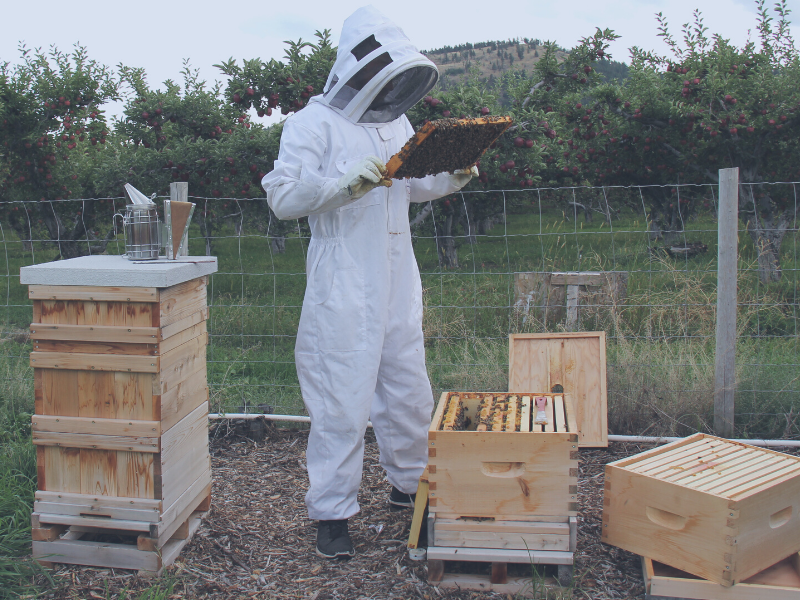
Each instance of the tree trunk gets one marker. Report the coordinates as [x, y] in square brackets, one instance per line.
[767, 226]
[446, 244]
[767, 235]
[278, 243]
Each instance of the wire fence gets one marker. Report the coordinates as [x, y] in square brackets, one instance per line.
[643, 268]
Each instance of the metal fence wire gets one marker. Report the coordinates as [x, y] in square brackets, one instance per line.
[492, 263]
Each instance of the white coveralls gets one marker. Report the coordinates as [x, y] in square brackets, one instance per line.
[359, 351]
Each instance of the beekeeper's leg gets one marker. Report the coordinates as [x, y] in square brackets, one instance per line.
[337, 390]
[401, 409]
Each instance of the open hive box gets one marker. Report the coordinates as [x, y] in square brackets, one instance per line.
[445, 145]
[502, 488]
[718, 509]
[487, 458]
[778, 582]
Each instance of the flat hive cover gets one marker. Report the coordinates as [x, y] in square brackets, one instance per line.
[445, 145]
[716, 466]
[539, 362]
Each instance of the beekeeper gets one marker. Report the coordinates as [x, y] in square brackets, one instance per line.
[359, 350]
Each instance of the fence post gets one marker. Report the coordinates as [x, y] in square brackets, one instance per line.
[727, 264]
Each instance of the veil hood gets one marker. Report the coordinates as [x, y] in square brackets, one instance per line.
[378, 74]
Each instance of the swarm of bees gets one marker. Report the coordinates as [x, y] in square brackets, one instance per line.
[446, 145]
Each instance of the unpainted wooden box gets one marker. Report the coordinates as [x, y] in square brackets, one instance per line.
[717, 509]
[778, 582]
[569, 363]
[505, 475]
[121, 403]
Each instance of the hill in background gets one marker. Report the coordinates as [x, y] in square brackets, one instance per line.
[492, 59]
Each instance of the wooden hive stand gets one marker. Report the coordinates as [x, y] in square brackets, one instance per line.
[121, 403]
[501, 488]
[718, 509]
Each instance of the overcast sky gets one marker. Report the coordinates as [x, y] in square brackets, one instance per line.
[159, 35]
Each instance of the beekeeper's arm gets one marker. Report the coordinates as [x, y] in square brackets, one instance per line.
[296, 189]
[435, 186]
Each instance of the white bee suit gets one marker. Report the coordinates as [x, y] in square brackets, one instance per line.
[359, 350]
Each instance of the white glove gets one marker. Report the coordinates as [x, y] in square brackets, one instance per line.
[462, 177]
[364, 176]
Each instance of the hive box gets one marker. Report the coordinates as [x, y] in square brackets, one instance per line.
[717, 509]
[503, 474]
[121, 409]
[778, 582]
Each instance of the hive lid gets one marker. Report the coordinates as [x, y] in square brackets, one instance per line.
[717, 466]
[575, 361]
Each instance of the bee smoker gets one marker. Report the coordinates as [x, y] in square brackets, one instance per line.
[142, 231]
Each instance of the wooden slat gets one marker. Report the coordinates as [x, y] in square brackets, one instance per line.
[93, 293]
[85, 425]
[502, 540]
[62, 469]
[183, 398]
[182, 337]
[757, 464]
[585, 278]
[79, 552]
[190, 498]
[121, 524]
[527, 527]
[134, 474]
[671, 453]
[537, 557]
[194, 318]
[97, 442]
[173, 442]
[182, 300]
[96, 333]
[712, 467]
[548, 409]
[693, 463]
[99, 501]
[70, 347]
[525, 421]
[177, 364]
[558, 410]
[94, 362]
[772, 473]
[79, 312]
[93, 510]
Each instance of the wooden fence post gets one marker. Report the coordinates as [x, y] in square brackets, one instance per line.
[727, 264]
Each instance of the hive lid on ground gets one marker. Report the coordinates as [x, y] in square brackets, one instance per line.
[717, 466]
[445, 145]
[576, 362]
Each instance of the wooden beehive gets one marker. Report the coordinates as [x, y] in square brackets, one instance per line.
[778, 582]
[570, 363]
[717, 509]
[504, 471]
[121, 423]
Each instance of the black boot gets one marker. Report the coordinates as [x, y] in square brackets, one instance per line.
[333, 540]
[398, 499]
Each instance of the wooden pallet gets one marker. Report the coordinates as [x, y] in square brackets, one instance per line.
[77, 545]
[779, 582]
[500, 543]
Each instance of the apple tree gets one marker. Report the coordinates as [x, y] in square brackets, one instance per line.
[189, 133]
[52, 128]
[680, 117]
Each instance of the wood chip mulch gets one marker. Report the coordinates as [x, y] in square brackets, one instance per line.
[257, 543]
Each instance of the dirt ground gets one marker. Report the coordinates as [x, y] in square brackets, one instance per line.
[256, 542]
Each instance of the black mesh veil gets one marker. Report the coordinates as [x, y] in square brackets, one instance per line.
[400, 94]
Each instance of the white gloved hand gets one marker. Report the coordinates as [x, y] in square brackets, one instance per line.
[364, 176]
[462, 177]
